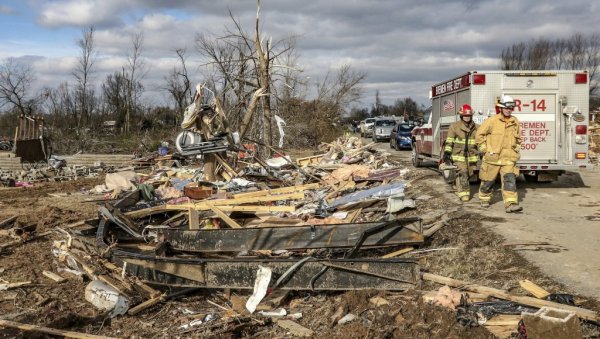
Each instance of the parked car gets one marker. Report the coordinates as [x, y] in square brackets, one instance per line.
[401, 136]
[382, 128]
[366, 127]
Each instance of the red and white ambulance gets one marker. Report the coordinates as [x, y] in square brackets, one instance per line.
[552, 108]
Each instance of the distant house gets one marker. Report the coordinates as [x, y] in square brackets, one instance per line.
[109, 125]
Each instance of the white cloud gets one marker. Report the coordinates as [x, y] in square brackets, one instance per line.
[404, 46]
[8, 10]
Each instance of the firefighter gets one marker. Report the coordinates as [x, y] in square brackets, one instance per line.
[499, 142]
[461, 150]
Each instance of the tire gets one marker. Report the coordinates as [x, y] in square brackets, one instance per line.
[531, 178]
[416, 161]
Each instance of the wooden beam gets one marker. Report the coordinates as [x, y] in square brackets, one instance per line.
[223, 217]
[5, 222]
[534, 289]
[501, 294]
[398, 252]
[246, 200]
[48, 330]
[194, 219]
[227, 208]
[290, 189]
[146, 304]
[53, 276]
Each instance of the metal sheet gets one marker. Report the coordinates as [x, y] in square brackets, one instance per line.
[291, 237]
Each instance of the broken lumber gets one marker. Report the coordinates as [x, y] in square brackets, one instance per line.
[7, 222]
[232, 223]
[291, 189]
[51, 275]
[146, 304]
[295, 328]
[501, 294]
[48, 330]
[8, 286]
[18, 242]
[398, 252]
[534, 289]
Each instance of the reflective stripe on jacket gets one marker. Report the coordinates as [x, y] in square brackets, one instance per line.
[500, 139]
[461, 138]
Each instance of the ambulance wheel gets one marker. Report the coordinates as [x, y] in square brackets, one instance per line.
[416, 161]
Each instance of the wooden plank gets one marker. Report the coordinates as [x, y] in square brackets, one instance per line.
[529, 301]
[246, 200]
[8, 221]
[295, 328]
[290, 189]
[232, 223]
[148, 211]
[227, 208]
[53, 276]
[398, 252]
[8, 286]
[146, 304]
[48, 330]
[501, 331]
[534, 289]
[194, 219]
[504, 320]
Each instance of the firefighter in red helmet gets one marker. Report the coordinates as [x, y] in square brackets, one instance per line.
[460, 149]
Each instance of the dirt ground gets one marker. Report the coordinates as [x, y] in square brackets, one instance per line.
[465, 250]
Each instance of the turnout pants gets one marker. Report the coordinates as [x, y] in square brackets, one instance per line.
[508, 175]
[463, 173]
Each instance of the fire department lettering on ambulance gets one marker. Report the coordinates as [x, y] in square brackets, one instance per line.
[537, 115]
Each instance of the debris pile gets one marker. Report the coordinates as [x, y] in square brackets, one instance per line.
[262, 231]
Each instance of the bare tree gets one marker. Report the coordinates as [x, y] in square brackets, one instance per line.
[575, 53]
[178, 84]
[513, 57]
[15, 83]
[137, 70]
[83, 73]
[539, 54]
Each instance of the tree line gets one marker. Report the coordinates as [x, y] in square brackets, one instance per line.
[577, 52]
[253, 78]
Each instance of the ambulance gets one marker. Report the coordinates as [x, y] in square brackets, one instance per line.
[552, 108]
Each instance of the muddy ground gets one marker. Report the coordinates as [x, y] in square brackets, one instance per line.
[476, 255]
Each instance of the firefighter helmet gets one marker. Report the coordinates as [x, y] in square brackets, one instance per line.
[506, 101]
[465, 110]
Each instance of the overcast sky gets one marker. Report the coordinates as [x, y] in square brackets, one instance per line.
[403, 46]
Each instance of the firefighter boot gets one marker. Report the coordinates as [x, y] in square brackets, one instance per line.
[464, 198]
[484, 203]
[513, 208]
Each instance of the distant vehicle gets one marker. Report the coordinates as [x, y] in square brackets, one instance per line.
[401, 137]
[382, 128]
[367, 127]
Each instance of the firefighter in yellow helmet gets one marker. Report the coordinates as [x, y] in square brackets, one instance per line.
[461, 150]
[499, 140]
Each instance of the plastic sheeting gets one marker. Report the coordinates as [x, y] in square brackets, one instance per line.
[383, 191]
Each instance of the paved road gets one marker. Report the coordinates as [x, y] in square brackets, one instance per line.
[564, 216]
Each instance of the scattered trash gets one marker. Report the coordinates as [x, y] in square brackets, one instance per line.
[261, 284]
[106, 298]
[346, 319]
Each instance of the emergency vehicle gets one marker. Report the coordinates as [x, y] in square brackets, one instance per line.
[552, 108]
